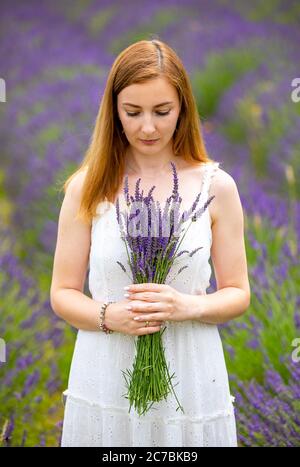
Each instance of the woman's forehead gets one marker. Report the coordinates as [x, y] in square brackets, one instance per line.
[152, 92]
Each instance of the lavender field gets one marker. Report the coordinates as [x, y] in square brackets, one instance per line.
[241, 57]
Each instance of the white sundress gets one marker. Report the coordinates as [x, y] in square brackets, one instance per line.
[96, 411]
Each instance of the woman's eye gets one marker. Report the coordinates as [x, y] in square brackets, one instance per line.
[134, 114]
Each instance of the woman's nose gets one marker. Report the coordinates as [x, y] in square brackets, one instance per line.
[148, 126]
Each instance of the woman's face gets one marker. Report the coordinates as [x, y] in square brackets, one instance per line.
[149, 111]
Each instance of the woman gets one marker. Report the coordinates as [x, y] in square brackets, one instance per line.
[148, 96]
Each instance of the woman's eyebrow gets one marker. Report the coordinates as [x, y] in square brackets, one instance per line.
[138, 107]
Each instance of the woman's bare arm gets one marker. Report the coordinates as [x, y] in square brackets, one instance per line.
[228, 254]
[70, 264]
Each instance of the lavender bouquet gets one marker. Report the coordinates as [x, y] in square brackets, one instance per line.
[152, 238]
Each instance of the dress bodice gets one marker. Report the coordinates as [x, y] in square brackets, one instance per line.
[106, 277]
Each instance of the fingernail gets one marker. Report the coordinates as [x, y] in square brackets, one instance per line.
[126, 295]
[128, 307]
[126, 288]
[136, 318]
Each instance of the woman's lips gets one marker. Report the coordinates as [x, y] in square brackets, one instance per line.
[149, 141]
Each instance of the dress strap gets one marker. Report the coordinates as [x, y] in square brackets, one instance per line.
[209, 172]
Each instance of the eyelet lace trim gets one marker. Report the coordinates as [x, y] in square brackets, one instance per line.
[208, 175]
[167, 420]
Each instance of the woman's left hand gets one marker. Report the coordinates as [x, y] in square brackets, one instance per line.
[157, 302]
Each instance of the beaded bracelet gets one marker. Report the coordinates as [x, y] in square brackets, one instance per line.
[103, 326]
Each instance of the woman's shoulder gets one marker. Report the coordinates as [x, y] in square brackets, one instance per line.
[221, 181]
[76, 183]
[225, 190]
[222, 186]
[217, 177]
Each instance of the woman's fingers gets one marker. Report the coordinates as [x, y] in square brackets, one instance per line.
[157, 323]
[151, 323]
[144, 307]
[148, 330]
[144, 296]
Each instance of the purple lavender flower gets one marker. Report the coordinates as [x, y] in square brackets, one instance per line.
[152, 234]
[152, 239]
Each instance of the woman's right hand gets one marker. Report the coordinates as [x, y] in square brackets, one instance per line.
[119, 319]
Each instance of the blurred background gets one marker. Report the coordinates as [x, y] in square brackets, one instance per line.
[241, 58]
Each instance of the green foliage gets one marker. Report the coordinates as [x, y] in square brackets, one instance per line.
[279, 10]
[270, 319]
[219, 73]
[159, 22]
[101, 19]
[38, 410]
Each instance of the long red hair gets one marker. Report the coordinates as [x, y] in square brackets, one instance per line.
[104, 158]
